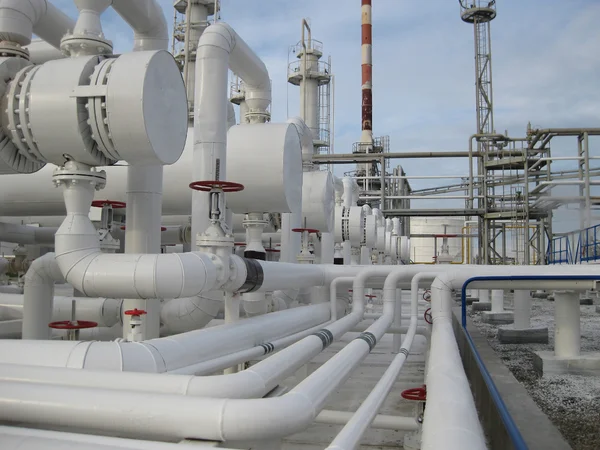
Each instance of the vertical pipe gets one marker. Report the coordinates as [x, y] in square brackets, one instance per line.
[586, 174]
[567, 334]
[142, 235]
[397, 323]
[522, 310]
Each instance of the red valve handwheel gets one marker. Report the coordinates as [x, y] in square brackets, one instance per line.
[272, 250]
[370, 296]
[225, 186]
[68, 325]
[427, 316]
[134, 312]
[114, 203]
[161, 228]
[417, 394]
[302, 230]
[427, 295]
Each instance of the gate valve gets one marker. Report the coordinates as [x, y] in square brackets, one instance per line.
[216, 189]
[106, 219]
[418, 394]
[135, 322]
[305, 256]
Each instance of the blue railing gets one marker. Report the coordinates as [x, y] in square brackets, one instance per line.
[575, 247]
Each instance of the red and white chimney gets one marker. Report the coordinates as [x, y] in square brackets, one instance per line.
[367, 74]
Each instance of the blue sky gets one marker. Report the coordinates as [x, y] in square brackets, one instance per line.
[546, 67]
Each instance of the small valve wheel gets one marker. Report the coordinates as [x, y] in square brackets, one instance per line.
[427, 316]
[418, 394]
[123, 228]
[113, 203]
[370, 296]
[135, 333]
[427, 295]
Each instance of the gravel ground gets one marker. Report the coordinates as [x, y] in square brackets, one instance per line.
[572, 402]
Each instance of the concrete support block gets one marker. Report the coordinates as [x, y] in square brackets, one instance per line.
[509, 335]
[482, 306]
[586, 301]
[547, 363]
[497, 318]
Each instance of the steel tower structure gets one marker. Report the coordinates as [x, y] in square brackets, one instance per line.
[480, 13]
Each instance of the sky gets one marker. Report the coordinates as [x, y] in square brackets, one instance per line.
[545, 63]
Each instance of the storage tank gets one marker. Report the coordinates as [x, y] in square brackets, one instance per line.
[423, 248]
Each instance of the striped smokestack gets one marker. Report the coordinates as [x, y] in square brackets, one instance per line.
[367, 74]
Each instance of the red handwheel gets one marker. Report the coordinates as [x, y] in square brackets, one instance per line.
[77, 325]
[427, 316]
[225, 186]
[418, 394]
[302, 230]
[114, 203]
[427, 295]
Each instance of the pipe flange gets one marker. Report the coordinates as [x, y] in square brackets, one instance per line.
[98, 116]
[73, 172]
[17, 113]
[11, 49]
[83, 45]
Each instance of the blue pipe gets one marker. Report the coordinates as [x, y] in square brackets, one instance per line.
[511, 428]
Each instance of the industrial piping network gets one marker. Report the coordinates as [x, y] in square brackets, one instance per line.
[146, 376]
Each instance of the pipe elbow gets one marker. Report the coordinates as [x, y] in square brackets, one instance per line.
[43, 271]
[18, 17]
[217, 37]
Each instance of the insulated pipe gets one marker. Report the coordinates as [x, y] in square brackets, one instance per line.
[181, 315]
[220, 49]
[144, 183]
[41, 52]
[148, 22]
[166, 354]
[522, 309]
[19, 19]
[567, 332]
[350, 436]
[16, 438]
[105, 311]
[182, 417]
[38, 297]
[27, 235]
[450, 419]
[381, 421]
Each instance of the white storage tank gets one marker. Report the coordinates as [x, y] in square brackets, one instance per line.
[423, 248]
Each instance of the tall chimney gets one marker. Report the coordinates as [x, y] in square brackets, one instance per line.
[367, 74]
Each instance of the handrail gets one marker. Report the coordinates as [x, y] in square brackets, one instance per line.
[513, 431]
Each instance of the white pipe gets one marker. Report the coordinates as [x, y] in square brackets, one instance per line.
[105, 311]
[165, 354]
[144, 183]
[522, 300]
[4, 265]
[220, 49]
[214, 419]
[450, 421]
[396, 341]
[27, 235]
[38, 296]
[148, 22]
[381, 421]
[41, 52]
[19, 19]
[497, 300]
[181, 315]
[567, 332]
[350, 436]
[15, 438]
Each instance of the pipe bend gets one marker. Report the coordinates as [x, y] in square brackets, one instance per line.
[146, 18]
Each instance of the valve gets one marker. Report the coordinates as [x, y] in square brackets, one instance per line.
[135, 333]
[107, 242]
[427, 316]
[305, 256]
[427, 295]
[72, 326]
[418, 394]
